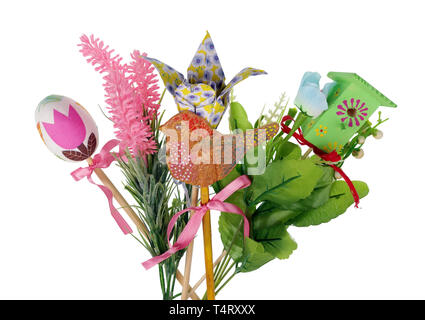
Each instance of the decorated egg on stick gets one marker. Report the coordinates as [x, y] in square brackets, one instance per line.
[70, 133]
[67, 129]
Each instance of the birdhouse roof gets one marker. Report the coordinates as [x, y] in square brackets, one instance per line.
[354, 78]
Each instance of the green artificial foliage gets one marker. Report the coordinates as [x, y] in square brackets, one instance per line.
[340, 199]
[255, 256]
[293, 191]
[238, 118]
[285, 181]
[287, 151]
[158, 199]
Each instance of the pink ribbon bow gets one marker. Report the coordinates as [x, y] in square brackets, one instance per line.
[103, 160]
[192, 227]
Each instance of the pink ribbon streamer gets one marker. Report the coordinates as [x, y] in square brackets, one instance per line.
[103, 160]
[193, 225]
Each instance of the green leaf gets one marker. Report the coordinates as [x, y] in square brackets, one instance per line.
[326, 178]
[248, 252]
[230, 228]
[287, 150]
[221, 184]
[285, 181]
[238, 118]
[254, 256]
[340, 199]
[258, 122]
[317, 198]
[320, 194]
[276, 241]
[293, 114]
[268, 216]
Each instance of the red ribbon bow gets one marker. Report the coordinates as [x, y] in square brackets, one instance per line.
[103, 160]
[331, 157]
[193, 225]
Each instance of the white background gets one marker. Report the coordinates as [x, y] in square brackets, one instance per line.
[57, 239]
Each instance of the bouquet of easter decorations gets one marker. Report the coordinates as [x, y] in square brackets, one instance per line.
[262, 182]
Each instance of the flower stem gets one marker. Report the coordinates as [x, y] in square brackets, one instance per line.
[297, 123]
[161, 279]
[227, 281]
[226, 272]
[162, 96]
[305, 155]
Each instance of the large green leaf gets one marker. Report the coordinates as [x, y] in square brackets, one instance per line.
[326, 178]
[276, 241]
[230, 225]
[320, 194]
[317, 198]
[287, 150]
[219, 185]
[231, 229]
[270, 241]
[285, 181]
[238, 118]
[254, 256]
[268, 216]
[340, 199]
[248, 252]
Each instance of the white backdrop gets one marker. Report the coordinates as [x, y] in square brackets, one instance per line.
[47, 252]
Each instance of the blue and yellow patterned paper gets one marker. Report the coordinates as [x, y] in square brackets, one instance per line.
[204, 92]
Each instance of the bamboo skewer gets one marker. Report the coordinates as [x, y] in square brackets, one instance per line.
[192, 293]
[120, 199]
[206, 226]
[189, 251]
[305, 155]
[132, 215]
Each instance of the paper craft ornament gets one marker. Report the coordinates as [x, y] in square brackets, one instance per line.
[204, 92]
[70, 133]
[201, 162]
[310, 99]
[62, 141]
[66, 128]
[351, 102]
[213, 156]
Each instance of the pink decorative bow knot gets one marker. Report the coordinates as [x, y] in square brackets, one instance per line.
[103, 160]
[193, 225]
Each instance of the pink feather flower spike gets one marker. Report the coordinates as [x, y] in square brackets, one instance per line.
[131, 93]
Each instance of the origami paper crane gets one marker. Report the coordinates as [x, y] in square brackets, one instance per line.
[204, 92]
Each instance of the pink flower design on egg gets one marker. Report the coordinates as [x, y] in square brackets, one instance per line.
[355, 111]
[68, 132]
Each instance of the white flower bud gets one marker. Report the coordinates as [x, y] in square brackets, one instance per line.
[378, 134]
[358, 154]
[337, 176]
[361, 140]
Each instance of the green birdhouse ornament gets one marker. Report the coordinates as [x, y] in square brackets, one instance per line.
[351, 101]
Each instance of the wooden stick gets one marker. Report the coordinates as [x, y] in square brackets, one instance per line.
[192, 293]
[132, 215]
[120, 199]
[189, 251]
[305, 155]
[206, 226]
[216, 262]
